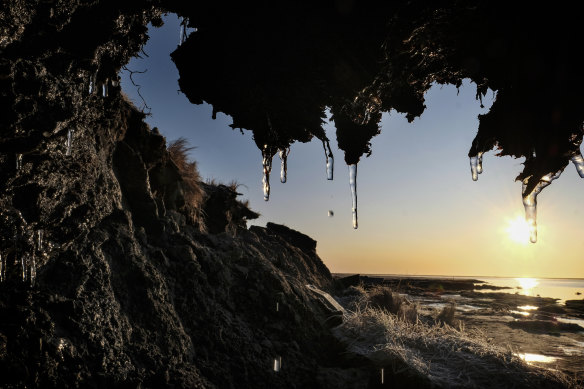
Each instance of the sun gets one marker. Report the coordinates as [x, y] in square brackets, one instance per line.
[518, 230]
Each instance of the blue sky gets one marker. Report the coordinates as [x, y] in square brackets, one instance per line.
[419, 210]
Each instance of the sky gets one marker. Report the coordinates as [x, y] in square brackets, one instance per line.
[420, 213]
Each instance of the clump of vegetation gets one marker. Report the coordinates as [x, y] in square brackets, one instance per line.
[447, 315]
[191, 180]
[440, 356]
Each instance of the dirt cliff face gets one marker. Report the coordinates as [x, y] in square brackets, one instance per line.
[107, 280]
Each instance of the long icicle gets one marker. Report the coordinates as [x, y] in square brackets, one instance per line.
[353, 185]
[330, 159]
[284, 164]
[267, 168]
[530, 202]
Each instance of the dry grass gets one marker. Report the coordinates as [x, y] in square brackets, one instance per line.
[445, 356]
[193, 194]
[384, 327]
[447, 315]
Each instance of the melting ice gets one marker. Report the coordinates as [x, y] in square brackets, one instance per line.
[353, 185]
[330, 160]
[476, 165]
[578, 162]
[530, 202]
[267, 168]
[284, 166]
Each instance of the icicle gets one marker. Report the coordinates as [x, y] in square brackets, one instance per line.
[284, 165]
[578, 162]
[277, 364]
[480, 162]
[24, 264]
[40, 240]
[92, 83]
[2, 268]
[476, 165]
[105, 88]
[267, 168]
[18, 161]
[69, 142]
[183, 30]
[530, 202]
[382, 376]
[353, 185]
[32, 270]
[330, 160]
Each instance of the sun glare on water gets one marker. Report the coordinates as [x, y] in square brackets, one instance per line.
[518, 230]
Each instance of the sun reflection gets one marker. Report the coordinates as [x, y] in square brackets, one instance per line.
[527, 284]
[518, 230]
[528, 357]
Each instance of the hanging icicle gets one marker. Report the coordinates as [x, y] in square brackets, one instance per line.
[284, 164]
[330, 160]
[105, 88]
[183, 30]
[267, 168]
[93, 83]
[476, 165]
[578, 162]
[69, 142]
[39, 240]
[353, 186]
[530, 202]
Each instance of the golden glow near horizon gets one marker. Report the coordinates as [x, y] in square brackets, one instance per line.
[518, 230]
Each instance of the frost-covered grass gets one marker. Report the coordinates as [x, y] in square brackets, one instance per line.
[437, 353]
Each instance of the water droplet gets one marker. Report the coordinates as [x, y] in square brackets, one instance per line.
[18, 161]
[330, 160]
[353, 185]
[476, 165]
[277, 364]
[284, 165]
[267, 168]
[277, 307]
[382, 376]
[530, 202]
[578, 162]
[69, 142]
[331, 213]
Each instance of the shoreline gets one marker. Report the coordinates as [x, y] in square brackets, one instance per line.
[540, 329]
